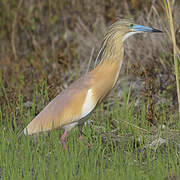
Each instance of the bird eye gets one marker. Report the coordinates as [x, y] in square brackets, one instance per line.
[131, 25]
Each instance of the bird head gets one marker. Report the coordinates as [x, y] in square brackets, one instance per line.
[117, 33]
[126, 28]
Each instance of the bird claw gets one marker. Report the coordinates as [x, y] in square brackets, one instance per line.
[83, 140]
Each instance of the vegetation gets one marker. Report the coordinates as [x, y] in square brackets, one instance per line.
[175, 48]
[134, 133]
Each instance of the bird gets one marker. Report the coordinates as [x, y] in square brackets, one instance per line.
[74, 104]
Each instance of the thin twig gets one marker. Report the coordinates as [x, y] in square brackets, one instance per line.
[137, 127]
[13, 35]
[90, 60]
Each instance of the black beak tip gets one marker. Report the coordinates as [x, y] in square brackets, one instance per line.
[156, 30]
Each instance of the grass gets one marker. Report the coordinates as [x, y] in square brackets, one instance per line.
[123, 145]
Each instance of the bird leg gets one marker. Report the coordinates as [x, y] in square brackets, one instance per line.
[63, 140]
[81, 133]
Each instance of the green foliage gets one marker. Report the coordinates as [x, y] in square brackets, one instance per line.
[123, 145]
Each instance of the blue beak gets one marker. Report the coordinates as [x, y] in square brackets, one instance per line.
[141, 28]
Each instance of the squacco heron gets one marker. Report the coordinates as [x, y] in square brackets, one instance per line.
[72, 106]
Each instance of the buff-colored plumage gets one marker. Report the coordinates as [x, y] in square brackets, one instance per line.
[73, 104]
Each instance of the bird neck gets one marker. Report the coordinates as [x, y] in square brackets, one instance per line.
[112, 54]
[106, 73]
[111, 49]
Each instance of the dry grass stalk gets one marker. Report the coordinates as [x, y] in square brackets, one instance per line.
[175, 50]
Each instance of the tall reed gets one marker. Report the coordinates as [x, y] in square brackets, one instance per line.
[168, 11]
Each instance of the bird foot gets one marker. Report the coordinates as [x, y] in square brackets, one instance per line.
[63, 140]
[84, 141]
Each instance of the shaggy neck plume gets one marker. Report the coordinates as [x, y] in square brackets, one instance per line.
[112, 47]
